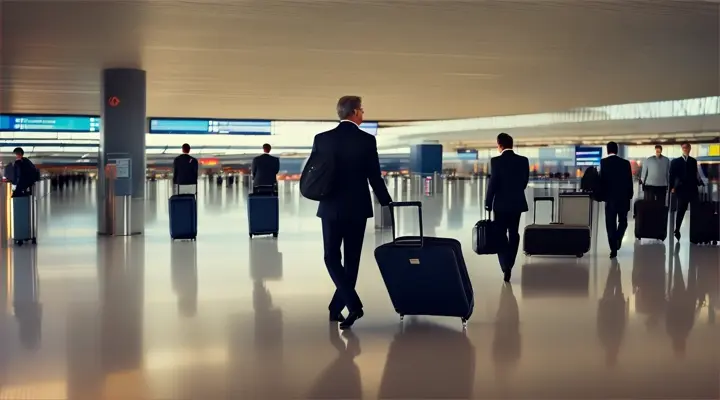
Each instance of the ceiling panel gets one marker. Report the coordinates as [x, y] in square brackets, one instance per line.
[409, 59]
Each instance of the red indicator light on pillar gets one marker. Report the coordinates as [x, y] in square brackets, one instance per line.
[114, 101]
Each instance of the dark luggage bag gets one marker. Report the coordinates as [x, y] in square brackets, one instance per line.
[487, 237]
[24, 218]
[555, 239]
[651, 220]
[705, 221]
[425, 275]
[263, 212]
[183, 216]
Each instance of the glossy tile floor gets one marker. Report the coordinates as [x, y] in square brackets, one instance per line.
[229, 318]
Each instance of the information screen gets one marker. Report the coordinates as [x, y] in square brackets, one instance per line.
[586, 156]
[49, 123]
[467, 154]
[209, 126]
[370, 127]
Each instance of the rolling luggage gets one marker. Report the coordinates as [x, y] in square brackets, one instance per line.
[705, 221]
[425, 275]
[575, 208]
[555, 239]
[24, 219]
[487, 237]
[263, 212]
[651, 220]
[183, 216]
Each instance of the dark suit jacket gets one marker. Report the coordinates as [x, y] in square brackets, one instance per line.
[357, 163]
[185, 170]
[24, 174]
[265, 169]
[616, 182]
[685, 177]
[509, 176]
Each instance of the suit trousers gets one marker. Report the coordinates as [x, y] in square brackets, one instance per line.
[656, 193]
[349, 234]
[509, 225]
[616, 223]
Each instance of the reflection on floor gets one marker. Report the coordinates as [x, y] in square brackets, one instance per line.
[84, 317]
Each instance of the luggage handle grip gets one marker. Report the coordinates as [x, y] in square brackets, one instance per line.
[397, 204]
[176, 188]
[552, 207]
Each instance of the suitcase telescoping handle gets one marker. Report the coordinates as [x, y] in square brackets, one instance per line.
[176, 188]
[550, 199]
[397, 204]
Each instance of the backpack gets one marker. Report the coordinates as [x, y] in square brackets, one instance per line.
[590, 181]
[318, 177]
[31, 169]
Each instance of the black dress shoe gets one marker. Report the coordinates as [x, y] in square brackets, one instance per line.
[507, 276]
[613, 254]
[336, 317]
[351, 318]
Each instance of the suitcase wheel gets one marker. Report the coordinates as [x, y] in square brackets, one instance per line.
[402, 318]
[464, 323]
[637, 237]
[251, 236]
[19, 242]
[33, 241]
[275, 235]
[578, 255]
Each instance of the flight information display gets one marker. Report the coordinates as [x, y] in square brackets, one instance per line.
[370, 127]
[209, 126]
[49, 123]
[467, 154]
[586, 156]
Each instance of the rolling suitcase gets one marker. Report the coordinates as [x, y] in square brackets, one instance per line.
[425, 275]
[183, 216]
[555, 239]
[651, 220]
[24, 219]
[575, 208]
[487, 237]
[705, 221]
[263, 212]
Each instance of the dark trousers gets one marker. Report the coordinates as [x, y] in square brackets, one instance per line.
[349, 234]
[509, 226]
[656, 193]
[683, 202]
[616, 223]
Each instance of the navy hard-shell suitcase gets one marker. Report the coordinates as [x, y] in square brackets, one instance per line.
[705, 221]
[263, 213]
[651, 220]
[425, 275]
[183, 216]
[487, 238]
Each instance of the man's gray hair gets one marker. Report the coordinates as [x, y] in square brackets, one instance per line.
[347, 105]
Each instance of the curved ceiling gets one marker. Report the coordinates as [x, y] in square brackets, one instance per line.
[409, 59]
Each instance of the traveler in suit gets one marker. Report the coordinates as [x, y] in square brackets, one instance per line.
[654, 176]
[345, 212]
[616, 188]
[684, 182]
[185, 169]
[509, 176]
[265, 169]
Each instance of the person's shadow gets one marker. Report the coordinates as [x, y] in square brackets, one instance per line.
[506, 348]
[682, 305]
[428, 361]
[612, 315]
[340, 379]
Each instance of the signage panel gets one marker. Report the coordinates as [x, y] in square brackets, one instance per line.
[586, 156]
[467, 154]
[370, 127]
[209, 126]
[49, 123]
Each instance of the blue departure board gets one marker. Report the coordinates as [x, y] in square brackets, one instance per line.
[49, 123]
[209, 126]
[586, 156]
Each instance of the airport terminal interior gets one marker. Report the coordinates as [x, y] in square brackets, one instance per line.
[105, 305]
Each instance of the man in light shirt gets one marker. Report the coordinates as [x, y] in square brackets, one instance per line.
[654, 176]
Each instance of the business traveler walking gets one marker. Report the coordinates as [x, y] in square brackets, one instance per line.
[654, 176]
[684, 182]
[185, 171]
[509, 176]
[265, 168]
[345, 211]
[616, 190]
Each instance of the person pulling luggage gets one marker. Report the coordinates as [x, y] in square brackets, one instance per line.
[264, 170]
[616, 188]
[185, 171]
[24, 175]
[654, 176]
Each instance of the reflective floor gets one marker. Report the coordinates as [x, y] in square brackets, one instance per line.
[229, 318]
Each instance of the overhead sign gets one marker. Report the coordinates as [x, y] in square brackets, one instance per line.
[586, 156]
[209, 126]
[49, 123]
[467, 154]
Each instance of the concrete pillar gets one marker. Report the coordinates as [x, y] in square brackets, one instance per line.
[123, 137]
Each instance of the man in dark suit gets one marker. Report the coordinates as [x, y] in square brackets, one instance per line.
[345, 212]
[185, 170]
[509, 175]
[684, 182]
[616, 190]
[265, 169]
